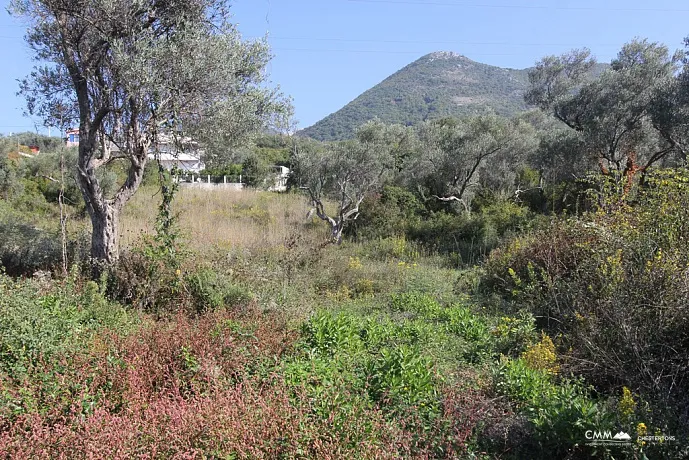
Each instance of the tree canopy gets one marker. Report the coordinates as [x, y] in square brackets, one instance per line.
[622, 114]
[345, 171]
[456, 152]
[125, 71]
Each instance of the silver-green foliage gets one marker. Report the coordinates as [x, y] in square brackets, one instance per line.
[126, 70]
[347, 171]
[628, 116]
[456, 153]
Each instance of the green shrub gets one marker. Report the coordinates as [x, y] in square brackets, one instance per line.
[416, 302]
[9, 180]
[512, 334]
[150, 276]
[514, 378]
[327, 334]
[401, 377]
[32, 201]
[255, 171]
[560, 414]
[460, 321]
[386, 215]
[25, 249]
[211, 290]
[43, 172]
[612, 286]
[147, 284]
[382, 356]
[471, 237]
[37, 323]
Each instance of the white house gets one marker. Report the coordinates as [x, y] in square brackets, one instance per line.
[281, 174]
[188, 160]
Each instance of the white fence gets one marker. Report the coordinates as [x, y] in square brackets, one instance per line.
[279, 181]
[208, 179]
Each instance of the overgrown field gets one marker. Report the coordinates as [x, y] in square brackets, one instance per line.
[241, 335]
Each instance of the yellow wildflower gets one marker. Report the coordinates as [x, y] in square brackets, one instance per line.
[627, 404]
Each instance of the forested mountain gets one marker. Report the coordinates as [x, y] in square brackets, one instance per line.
[436, 85]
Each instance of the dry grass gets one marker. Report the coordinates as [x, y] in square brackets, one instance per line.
[222, 219]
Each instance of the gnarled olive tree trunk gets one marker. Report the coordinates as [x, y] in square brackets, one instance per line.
[105, 237]
[125, 69]
[348, 210]
[105, 212]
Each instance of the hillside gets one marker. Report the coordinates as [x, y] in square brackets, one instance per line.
[436, 85]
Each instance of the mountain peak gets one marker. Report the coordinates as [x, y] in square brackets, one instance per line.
[439, 84]
[445, 55]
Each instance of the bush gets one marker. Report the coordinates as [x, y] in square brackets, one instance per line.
[146, 283]
[613, 287]
[416, 302]
[513, 334]
[382, 356]
[211, 290]
[9, 181]
[32, 203]
[471, 237]
[39, 326]
[541, 356]
[401, 377]
[559, 414]
[44, 171]
[190, 388]
[480, 338]
[25, 249]
[386, 215]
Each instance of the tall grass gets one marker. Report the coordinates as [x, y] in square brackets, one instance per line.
[222, 219]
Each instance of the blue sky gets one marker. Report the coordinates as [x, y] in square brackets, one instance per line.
[329, 51]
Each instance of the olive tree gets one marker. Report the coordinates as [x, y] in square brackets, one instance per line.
[456, 152]
[620, 114]
[670, 112]
[345, 172]
[126, 70]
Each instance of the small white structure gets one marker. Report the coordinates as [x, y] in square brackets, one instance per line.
[281, 174]
[186, 162]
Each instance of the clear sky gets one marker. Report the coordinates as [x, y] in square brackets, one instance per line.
[327, 52]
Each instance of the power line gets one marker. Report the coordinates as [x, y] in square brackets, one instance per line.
[323, 50]
[522, 7]
[437, 42]
[410, 42]
[335, 50]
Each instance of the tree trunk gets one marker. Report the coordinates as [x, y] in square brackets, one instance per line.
[104, 212]
[105, 236]
[336, 232]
